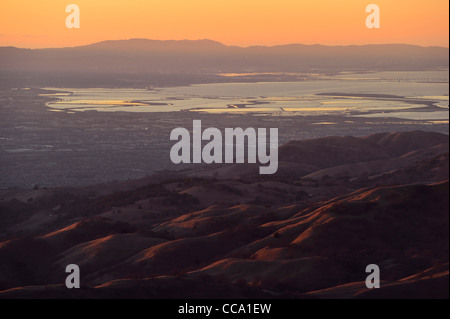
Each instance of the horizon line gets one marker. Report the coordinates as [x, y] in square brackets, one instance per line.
[226, 45]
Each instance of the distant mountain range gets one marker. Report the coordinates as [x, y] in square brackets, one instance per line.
[143, 56]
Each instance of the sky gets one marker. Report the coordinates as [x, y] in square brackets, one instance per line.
[38, 24]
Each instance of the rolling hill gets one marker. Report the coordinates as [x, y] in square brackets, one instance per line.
[347, 202]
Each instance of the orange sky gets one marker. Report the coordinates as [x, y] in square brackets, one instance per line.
[41, 23]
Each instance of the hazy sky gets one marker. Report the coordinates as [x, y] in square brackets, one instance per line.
[41, 23]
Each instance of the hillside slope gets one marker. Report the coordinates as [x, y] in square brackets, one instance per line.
[309, 234]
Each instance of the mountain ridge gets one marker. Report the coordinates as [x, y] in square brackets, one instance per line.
[218, 43]
[207, 57]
